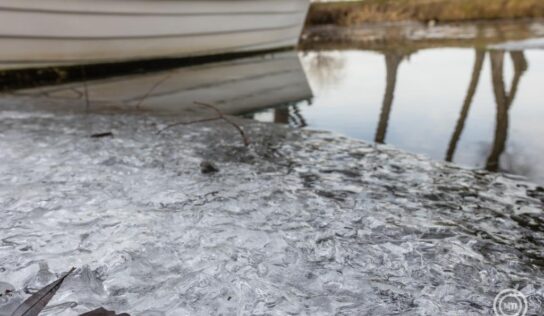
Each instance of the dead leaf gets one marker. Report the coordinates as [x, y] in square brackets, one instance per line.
[103, 312]
[33, 305]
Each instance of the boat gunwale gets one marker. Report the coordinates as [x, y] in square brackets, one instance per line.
[106, 13]
[138, 37]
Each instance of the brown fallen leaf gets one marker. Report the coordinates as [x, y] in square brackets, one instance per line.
[207, 167]
[103, 312]
[33, 305]
[102, 135]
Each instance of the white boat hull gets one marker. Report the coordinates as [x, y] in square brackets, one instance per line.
[38, 32]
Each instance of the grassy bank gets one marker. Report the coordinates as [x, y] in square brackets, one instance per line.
[352, 13]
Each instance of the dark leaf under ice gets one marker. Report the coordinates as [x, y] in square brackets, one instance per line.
[37, 302]
[103, 312]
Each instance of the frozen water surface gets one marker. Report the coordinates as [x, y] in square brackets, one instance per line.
[300, 223]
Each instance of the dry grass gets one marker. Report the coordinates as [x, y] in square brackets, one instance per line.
[351, 13]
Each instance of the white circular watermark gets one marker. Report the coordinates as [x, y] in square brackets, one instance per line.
[510, 303]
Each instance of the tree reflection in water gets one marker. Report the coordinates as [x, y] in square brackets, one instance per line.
[327, 69]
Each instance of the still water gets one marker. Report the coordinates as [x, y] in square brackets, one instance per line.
[480, 109]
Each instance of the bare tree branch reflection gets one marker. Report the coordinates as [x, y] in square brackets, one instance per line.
[325, 69]
[476, 72]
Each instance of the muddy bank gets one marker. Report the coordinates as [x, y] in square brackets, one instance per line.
[353, 13]
[300, 222]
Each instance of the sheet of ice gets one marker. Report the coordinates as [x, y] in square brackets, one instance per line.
[301, 223]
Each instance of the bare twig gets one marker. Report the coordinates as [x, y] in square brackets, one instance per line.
[155, 86]
[220, 116]
[209, 106]
[226, 119]
[187, 123]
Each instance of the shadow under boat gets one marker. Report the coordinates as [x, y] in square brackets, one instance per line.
[234, 86]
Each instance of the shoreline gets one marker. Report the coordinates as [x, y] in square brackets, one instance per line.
[350, 13]
[411, 36]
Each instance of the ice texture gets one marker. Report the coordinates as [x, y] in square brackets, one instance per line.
[300, 223]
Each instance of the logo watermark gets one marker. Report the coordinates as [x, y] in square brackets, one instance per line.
[510, 302]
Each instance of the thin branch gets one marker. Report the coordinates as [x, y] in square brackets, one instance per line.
[187, 123]
[220, 116]
[155, 86]
[209, 106]
[226, 119]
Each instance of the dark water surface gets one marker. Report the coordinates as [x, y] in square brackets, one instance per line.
[481, 109]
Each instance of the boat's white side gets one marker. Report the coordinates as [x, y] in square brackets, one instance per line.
[236, 86]
[94, 31]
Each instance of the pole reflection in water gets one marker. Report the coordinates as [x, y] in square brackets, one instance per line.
[392, 63]
[287, 115]
[281, 115]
